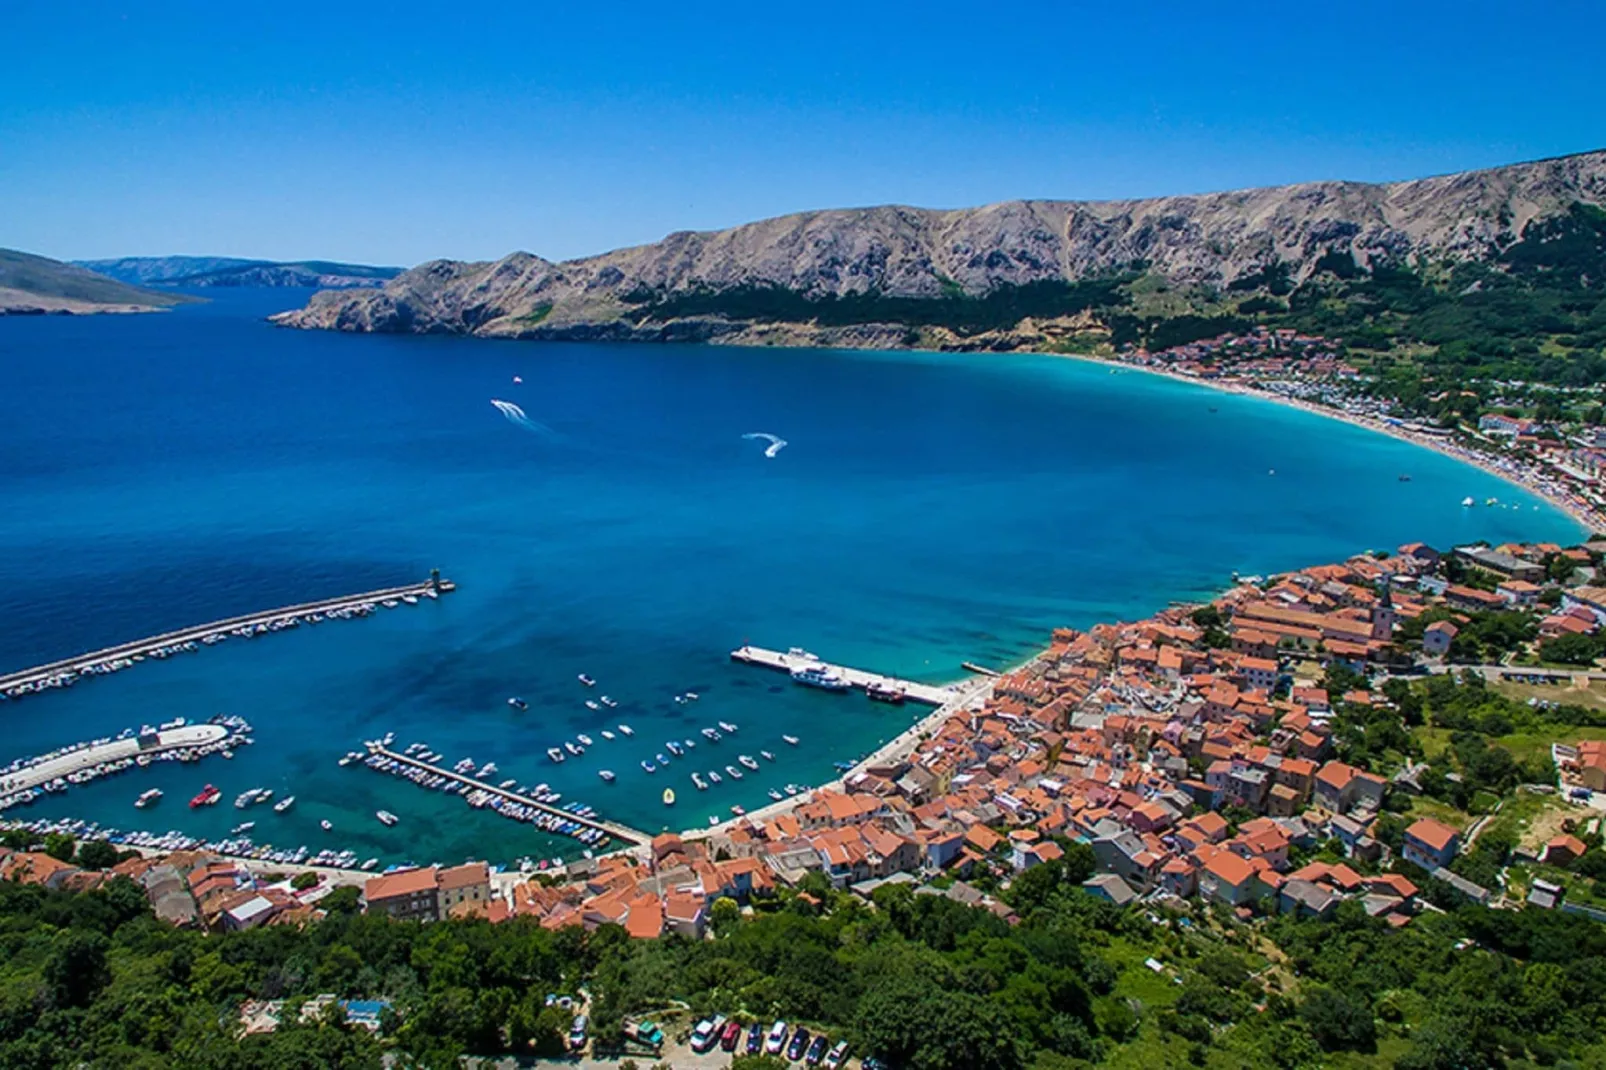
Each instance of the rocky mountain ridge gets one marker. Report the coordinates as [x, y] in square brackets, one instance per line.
[205, 271]
[37, 285]
[874, 266]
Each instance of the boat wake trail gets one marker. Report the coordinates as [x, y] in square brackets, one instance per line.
[519, 418]
[776, 442]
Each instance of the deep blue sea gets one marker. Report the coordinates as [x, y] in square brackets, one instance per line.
[170, 469]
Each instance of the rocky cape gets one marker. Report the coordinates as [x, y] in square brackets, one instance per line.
[868, 277]
[38, 285]
[207, 271]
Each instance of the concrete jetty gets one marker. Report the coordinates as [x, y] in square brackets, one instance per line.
[623, 833]
[928, 694]
[62, 765]
[68, 670]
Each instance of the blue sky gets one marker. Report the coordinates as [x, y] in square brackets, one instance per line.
[394, 132]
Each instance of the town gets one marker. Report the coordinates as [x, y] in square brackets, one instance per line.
[1259, 755]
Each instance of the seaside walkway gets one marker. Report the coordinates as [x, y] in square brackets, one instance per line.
[42, 772]
[927, 694]
[620, 832]
[67, 670]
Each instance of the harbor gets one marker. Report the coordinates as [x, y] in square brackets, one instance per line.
[798, 662]
[474, 790]
[68, 671]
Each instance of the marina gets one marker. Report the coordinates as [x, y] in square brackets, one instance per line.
[68, 671]
[469, 784]
[811, 671]
[25, 779]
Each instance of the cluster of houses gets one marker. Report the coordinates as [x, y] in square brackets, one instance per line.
[1260, 352]
[1195, 761]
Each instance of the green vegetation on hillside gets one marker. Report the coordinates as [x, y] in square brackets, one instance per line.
[42, 277]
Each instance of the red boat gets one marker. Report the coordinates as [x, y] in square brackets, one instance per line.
[209, 795]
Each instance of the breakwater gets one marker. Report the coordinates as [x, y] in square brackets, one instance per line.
[68, 671]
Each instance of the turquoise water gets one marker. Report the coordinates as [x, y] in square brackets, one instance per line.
[171, 469]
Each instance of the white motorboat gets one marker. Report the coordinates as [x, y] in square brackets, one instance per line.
[727, 727]
[326, 824]
[607, 734]
[607, 776]
[555, 754]
[584, 679]
[627, 730]
[584, 739]
[748, 762]
[284, 804]
[790, 739]
[386, 818]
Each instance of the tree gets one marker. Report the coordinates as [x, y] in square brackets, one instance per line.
[1571, 649]
[302, 881]
[75, 969]
[60, 846]
[1337, 1022]
[97, 854]
[759, 1062]
[724, 916]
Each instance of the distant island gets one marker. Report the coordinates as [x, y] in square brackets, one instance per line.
[37, 285]
[203, 271]
[1499, 267]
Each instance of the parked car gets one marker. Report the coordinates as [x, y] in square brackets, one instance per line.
[870, 1062]
[799, 1045]
[577, 1033]
[732, 1034]
[706, 1033]
[837, 1056]
[645, 1032]
[755, 1038]
[817, 1050]
[775, 1043]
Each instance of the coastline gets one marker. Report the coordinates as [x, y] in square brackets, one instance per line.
[1578, 512]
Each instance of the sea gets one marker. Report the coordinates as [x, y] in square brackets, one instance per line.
[614, 516]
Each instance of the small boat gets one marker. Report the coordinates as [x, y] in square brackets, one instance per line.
[688, 744]
[608, 702]
[661, 760]
[627, 730]
[697, 779]
[889, 693]
[790, 739]
[727, 727]
[208, 796]
[680, 700]
[607, 776]
[1467, 501]
[518, 703]
[386, 818]
[584, 679]
[777, 796]
[691, 696]
[326, 824]
[607, 734]
[791, 789]
[738, 810]
[284, 804]
[573, 749]
[591, 704]
[674, 748]
[713, 777]
[648, 766]
[747, 761]
[518, 378]
[669, 796]
[766, 755]
[1404, 478]
[369, 864]
[242, 828]
[584, 739]
[488, 769]
[712, 735]
[555, 754]
[146, 798]
[733, 772]
[712, 820]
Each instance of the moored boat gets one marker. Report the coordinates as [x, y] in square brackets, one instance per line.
[606, 775]
[386, 818]
[284, 804]
[208, 796]
[790, 739]
[669, 796]
[588, 681]
[726, 726]
[821, 677]
[147, 798]
[518, 703]
[555, 754]
[747, 761]
[627, 730]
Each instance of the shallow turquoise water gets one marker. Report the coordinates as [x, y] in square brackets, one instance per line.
[170, 469]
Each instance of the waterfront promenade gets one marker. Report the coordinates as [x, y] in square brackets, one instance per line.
[927, 694]
[68, 670]
[623, 833]
[62, 765]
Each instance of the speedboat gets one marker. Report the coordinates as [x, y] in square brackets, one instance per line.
[712, 735]
[584, 739]
[733, 772]
[674, 748]
[607, 776]
[777, 796]
[608, 702]
[627, 730]
[648, 766]
[386, 818]
[591, 704]
[728, 727]
[146, 798]
[284, 804]
[688, 744]
[766, 755]
[669, 796]
[1467, 501]
[691, 696]
[555, 754]
[573, 749]
[697, 779]
[326, 824]
[738, 810]
[747, 761]
[712, 820]
[584, 679]
[518, 703]
[713, 777]
[790, 739]
[791, 789]
[660, 759]
[607, 734]
[242, 828]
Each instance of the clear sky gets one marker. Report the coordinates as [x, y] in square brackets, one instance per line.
[395, 132]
